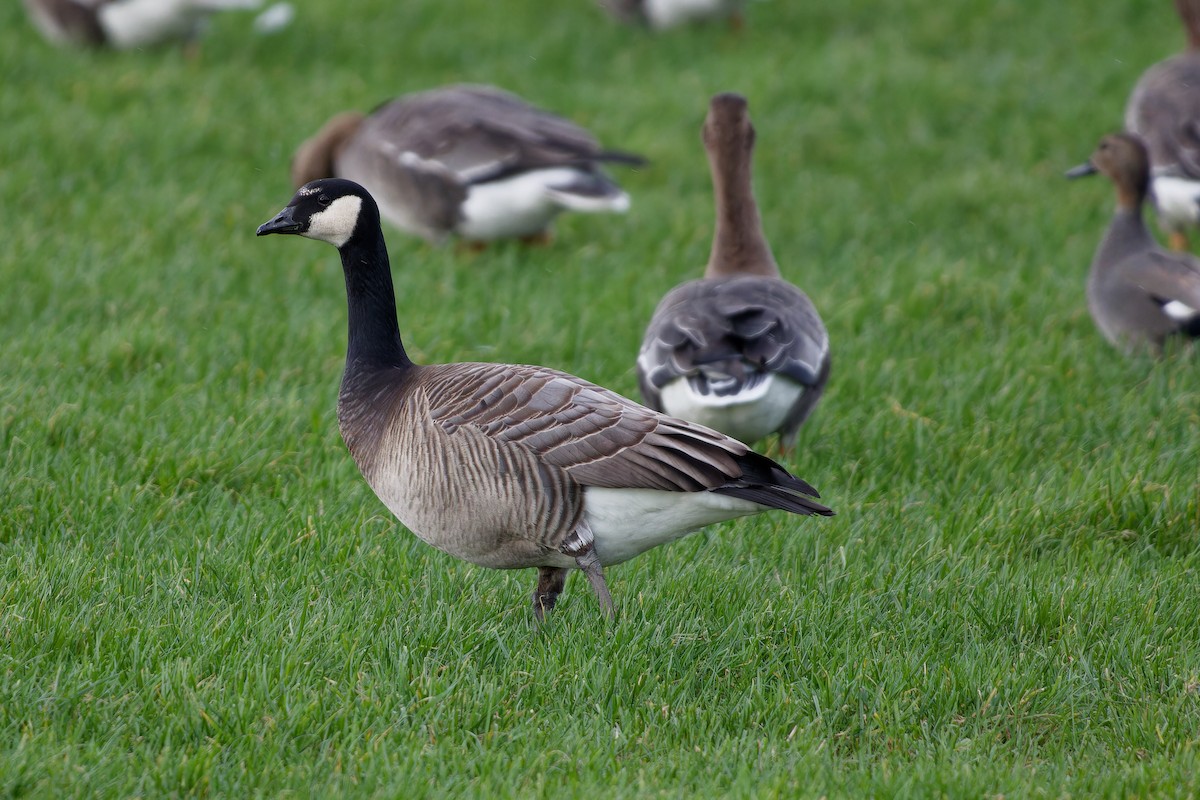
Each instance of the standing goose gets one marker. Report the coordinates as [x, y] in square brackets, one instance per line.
[663, 14]
[471, 160]
[740, 350]
[1138, 293]
[517, 466]
[1164, 109]
[123, 24]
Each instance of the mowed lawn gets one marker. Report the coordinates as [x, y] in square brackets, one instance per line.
[199, 596]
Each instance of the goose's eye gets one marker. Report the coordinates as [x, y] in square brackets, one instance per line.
[324, 200]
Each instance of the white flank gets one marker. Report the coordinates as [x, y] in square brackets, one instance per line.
[275, 18]
[335, 224]
[134, 23]
[1177, 201]
[669, 13]
[628, 522]
[747, 416]
[522, 205]
[1180, 312]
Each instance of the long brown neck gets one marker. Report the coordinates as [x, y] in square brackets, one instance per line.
[739, 246]
[316, 157]
[1189, 12]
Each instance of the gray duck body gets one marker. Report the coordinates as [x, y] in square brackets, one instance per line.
[1138, 293]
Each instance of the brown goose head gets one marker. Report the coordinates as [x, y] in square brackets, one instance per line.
[739, 245]
[315, 157]
[1123, 159]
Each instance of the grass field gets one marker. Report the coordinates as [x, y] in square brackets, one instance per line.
[199, 596]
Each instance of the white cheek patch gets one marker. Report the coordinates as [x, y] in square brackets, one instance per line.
[1180, 312]
[335, 224]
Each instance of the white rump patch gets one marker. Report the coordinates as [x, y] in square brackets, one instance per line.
[628, 522]
[746, 416]
[336, 224]
[525, 204]
[1180, 312]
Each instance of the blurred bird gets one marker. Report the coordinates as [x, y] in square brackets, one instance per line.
[1164, 109]
[468, 160]
[1138, 293]
[125, 24]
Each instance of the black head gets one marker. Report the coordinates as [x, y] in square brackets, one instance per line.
[330, 209]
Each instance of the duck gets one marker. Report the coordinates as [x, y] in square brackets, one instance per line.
[512, 466]
[1139, 293]
[1164, 110]
[740, 349]
[468, 160]
[663, 14]
[126, 24]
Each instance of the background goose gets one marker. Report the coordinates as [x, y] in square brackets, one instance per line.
[662, 14]
[1138, 293]
[517, 466]
[739, 350]
[471, 160]
[136, 23]
[1164, 109]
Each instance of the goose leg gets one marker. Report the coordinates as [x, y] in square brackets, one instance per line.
[589, 562]
[549, 586]
[580, 545]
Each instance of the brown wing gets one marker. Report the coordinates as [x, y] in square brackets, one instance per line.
[597, 436]
[1168, 277]
[482, 133]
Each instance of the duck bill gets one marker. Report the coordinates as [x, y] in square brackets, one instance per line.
[283, 222]
[1081, 171]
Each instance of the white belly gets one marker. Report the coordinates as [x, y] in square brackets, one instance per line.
[628, 522]
[746, 416]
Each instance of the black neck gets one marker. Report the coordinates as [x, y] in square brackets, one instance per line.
[374, 335]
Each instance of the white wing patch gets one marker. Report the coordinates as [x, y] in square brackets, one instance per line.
[1180, 312]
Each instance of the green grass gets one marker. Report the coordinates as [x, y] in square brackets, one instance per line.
[200, 596]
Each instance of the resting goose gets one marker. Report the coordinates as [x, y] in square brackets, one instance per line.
[663, 14]
[1164, 109]
[740, 350]
[1138, 293]
[517, 466]
[123, 24]
[471, 160]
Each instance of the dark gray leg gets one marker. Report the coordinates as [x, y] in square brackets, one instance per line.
[549, 587]
[580, 545]
[589, 562]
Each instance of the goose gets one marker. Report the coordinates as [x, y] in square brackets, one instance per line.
[663, 14]
[509, 466]
[466, 159]
[1164, 109]
[124, 24]
[740, 350]
[1138, 293]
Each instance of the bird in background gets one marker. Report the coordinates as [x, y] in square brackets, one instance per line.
[1164, 110]
[740, 350]
[1138, 293]
[467, 160]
